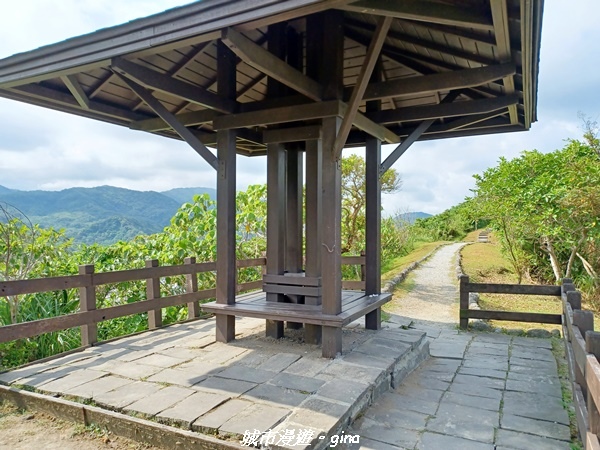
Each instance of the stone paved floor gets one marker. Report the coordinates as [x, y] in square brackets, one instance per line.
[477, 391]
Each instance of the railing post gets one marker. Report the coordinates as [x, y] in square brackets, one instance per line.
[574, 299]
[592, 345]
[152, 292]
[464, 302]
[363, 269]
[191, 285]
[87, 302]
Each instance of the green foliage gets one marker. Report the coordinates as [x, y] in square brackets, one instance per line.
[546, 208]
[452, 224]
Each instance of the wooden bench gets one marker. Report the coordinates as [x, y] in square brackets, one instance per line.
[254, 304]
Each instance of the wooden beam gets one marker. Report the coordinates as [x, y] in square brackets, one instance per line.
[264, 61]
[75, 88]
[366, 70]
[292, 134]
[501, 31]
[439, 82]
[425, 11]
[443, 110]
[368, 126]
[169, 118]
[186, 119]
[164, 83]
[285, 114]
[412, 137]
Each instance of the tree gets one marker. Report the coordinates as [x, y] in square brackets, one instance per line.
[354, 201]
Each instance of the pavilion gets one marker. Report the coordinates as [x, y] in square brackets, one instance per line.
[298, 80]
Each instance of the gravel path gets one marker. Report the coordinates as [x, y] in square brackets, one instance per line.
[434, 299]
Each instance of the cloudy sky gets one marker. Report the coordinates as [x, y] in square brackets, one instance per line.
[43, 149]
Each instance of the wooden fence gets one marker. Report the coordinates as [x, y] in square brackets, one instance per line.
[89, 315]
[582, 346]
[467, 287]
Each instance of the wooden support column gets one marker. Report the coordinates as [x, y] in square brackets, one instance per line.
[226, 210]
[87, 302]
[373, 214]
[314, 158]
[331, 258]
[275, 226]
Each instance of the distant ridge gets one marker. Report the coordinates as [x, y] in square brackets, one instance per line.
[104, 214]
[411, 217]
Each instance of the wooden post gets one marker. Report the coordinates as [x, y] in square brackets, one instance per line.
[275, 226]
[87, 302]
[464, 302]
[191, 285]
[314, 157]
[152, 292]
[592, 346]
[584, 320]
[226, 210]
[331, 238]
[574, 299]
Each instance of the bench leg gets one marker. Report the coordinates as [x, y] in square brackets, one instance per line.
[293, 325]
[312, 334]
[274, 329]
[332, 342]
[225, 328]
[373, 320]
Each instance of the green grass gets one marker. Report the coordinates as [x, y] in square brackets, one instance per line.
[396, 265]
[485, 263]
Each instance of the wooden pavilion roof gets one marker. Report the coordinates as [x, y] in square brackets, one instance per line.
[448, 68]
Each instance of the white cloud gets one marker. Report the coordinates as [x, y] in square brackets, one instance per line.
[41, 149]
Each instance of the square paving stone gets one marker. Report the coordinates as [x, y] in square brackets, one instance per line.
[496, 338]
[538, 427]
[477, 391]
[26, 372]
[225, 386]
[343, 370]
[99, 386]
[451, 350]
[479, 381]
[220, 353]
[462, 421]
[435, 441]
[364, 360]
[549, 366]
[190, 408]
[441, 365]
[127, 394]
[175, 376]
[75, 378]
[487, 363]
[159, 400]
[534, 387]
[308, 367]
[185, 354]
[398, 416]
[513, 439]
[198, 367]
[133, 355]
[160, 360]
[320, 414]
[297, 382]
[491, 404]
[535, 406]
[532, 342]
[39, 379]
[129, 369]
[344, 390]
[255, 417]
[275, 395]
[387, 433]
[249, 374]
[368, 444]
[279, 362]
[423, 382]
[212, 420]
[541, 354]
[419, 403]
[480, 372]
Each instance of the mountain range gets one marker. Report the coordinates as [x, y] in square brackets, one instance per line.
[103, 214]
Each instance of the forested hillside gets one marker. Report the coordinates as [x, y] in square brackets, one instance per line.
[102, 215]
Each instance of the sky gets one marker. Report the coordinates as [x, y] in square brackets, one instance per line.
[44, 149]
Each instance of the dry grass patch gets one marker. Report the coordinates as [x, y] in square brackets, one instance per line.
[485, 263]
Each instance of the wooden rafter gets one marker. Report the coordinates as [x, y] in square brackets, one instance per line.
[501, 27]
[186, 119]
[75, 88]
[439, 82]
[366, 70]
[169, 118]
[164, 83]
[423, 10]
[412, 137]
[269, 64]
[444, 110]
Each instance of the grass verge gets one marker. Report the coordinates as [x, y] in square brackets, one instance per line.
[485, 263]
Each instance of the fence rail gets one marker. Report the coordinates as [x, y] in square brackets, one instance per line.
[87, 280]
[466, 287]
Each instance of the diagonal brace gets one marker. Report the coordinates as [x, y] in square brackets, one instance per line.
[165, 115]
[412, 137]
[366, 70]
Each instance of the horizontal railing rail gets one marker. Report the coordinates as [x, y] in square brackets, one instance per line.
[89, 315]
[466, 287]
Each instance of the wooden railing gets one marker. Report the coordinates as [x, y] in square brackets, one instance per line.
[87, 281]
[582, 346]
[467, 287]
